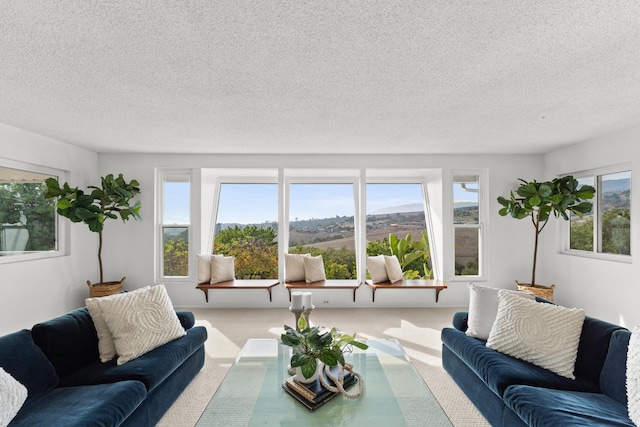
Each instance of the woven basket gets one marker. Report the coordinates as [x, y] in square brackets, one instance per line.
[105, 289]
[542, 291]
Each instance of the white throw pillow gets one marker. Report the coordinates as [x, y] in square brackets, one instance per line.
[294, 267]
[483, 307]
[140, 321]
[394, 271]
[313, 269]
[12, 397]
[544, 334]
[377, 269]
[106, 346]
[204, 267]
[633, 376]
[222, 269]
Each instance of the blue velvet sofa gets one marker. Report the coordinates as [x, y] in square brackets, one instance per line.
[57, 361]
[511, 392]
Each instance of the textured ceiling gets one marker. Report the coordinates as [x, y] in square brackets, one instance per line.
[333, 76]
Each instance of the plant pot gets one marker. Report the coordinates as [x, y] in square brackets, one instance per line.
[300, 377]
[542, 291]
[105, 288]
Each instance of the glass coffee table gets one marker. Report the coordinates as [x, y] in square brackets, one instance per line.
[395, 394]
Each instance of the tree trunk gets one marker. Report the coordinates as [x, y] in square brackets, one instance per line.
[100, 255]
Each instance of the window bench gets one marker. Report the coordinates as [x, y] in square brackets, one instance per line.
[324, 284]
[438, 285]
[267, 284]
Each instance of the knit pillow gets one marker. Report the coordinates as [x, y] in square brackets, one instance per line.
[633, 376]
[546, 335]
[140, 321]
[377, 268]
[483, 307]
[294, 267]
[313, 269]
[106, 346]
[222, 269]
[394, 271]
[13, 395]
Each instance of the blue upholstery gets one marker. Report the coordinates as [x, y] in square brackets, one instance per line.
[547, 407]
[68, 385]
[511, 392]
[24, 361]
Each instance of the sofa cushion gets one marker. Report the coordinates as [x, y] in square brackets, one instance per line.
[96, 405]
[69, 341]
[151, 369]
[613, 375]
[499, 370]
[544, 334]
[140, 321]
[547, 407]
[24, 360]
[593, 348]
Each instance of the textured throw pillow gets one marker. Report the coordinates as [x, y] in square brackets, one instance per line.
[294, 267]
[483, 307]
[222, 269]
[140, 321]
[633, 376]
[12, 397]
[204, 268]
[394, 271]
[546, 335]
[313, 269]
[377, 268]
[106, 346]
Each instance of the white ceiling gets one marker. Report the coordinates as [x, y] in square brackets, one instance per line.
[332, 76]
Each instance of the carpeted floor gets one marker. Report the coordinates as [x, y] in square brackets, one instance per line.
[417, 329]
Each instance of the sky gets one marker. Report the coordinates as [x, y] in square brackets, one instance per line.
[257, 203]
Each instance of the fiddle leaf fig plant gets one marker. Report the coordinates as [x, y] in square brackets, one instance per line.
[112, 199]
[310, 344]
[538, 201]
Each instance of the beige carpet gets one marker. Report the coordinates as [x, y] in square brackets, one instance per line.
[417, 329]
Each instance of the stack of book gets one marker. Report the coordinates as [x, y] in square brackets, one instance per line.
[314, 395]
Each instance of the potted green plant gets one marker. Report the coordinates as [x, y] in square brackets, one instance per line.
[538, 201]
[311, 346]
[112, 199]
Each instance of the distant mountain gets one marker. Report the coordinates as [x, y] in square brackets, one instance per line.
[413, 207]
[616, 186]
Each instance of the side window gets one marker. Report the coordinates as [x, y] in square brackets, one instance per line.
[28, 223]
[247, 227]
[396, 224]
[175, 225]
[606, 229]
[467, 225]
[321, 222]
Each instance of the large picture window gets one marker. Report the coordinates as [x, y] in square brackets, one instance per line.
[606, 229]
[28, 223]
[247, 228]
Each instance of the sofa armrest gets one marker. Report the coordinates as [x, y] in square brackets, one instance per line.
[187, 319]
[460, 320]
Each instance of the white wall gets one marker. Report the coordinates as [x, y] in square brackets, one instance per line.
[135, 257]
[32, 291]
[605, 289]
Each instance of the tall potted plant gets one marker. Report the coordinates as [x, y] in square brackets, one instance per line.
[114, 198]
[538, 201]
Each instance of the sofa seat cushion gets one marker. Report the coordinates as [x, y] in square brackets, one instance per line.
[95, 405]
[499, 371]
[547, 407]
[151, 369]
[26, 363]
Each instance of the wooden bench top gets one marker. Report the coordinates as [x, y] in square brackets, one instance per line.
[267, 284]
[438, 285]
[324, 284]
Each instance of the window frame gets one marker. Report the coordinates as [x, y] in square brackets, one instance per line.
[564, 230]
[62, 231]
[161, 179]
